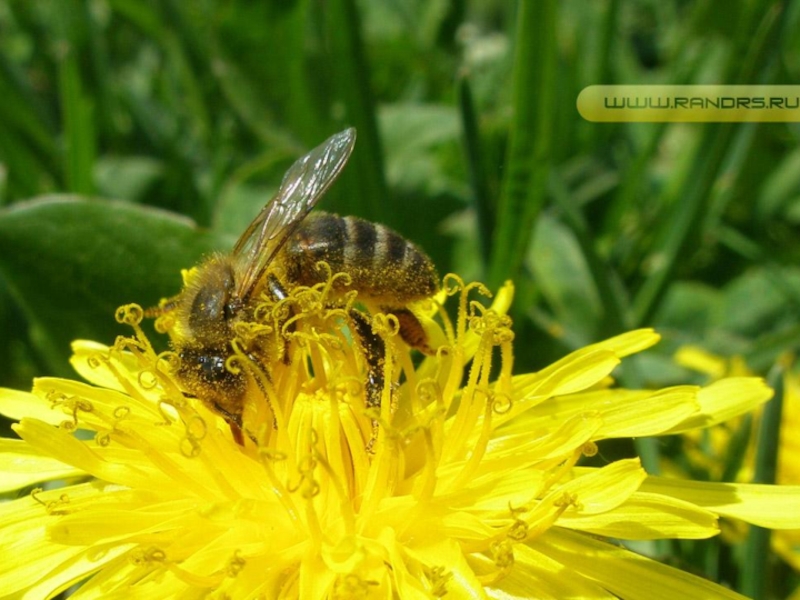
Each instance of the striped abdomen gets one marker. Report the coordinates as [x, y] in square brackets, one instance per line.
[383, 265]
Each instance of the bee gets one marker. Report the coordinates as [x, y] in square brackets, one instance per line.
[279, 250]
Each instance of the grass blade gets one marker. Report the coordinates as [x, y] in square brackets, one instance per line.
[755, 564]
[76, 109]
[352, 77]
[692, 199]
[528, 155]
[480, 187]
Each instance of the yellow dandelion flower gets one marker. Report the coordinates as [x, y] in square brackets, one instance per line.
[468, 486]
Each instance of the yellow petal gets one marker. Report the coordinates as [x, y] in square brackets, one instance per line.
[21, 465]
[698, 359]
[53, 441]
[503, 298]
[458, 579]
[74, 570]
[576, 372]
[542, 439]
[647, 517]
[636, 414]
[772, 506]
[573, 373]
[622, 413]
[92, 408]
[84, 361]
[625, 573]
[116, 584]
[630, 342]
[32, 560]
[316, 581]
[725, 399]
[101, 526]
[28, 553]
[534, 570]
[495, 490]
[600, 490]
[15, 405]
[103, 401]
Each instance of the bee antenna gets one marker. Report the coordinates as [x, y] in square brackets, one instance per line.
[153, 312]
[163, 308]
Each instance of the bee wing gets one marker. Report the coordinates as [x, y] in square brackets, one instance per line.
[304, 184]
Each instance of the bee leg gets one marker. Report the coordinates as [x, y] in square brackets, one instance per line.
[411, 329]
[236, 431]
[278, 292]
[276, 288]
[234, 422]
[374, 350]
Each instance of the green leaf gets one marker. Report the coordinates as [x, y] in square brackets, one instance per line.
[414, 134]
[126, 177]
[563, 278]
[780, 187]
[71, 262]
[761, 299]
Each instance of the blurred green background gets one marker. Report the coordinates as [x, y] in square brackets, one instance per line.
[137, 135]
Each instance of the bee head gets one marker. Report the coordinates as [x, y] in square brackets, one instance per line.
[205, 374]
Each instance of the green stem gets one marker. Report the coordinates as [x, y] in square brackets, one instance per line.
[755, 567]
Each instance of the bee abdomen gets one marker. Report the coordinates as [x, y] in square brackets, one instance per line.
[380, 262]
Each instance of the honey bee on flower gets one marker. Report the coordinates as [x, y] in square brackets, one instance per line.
[281, 249]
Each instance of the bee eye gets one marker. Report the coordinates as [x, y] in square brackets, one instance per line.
[208, 306]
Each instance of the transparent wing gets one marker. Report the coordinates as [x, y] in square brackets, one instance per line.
[304, 184]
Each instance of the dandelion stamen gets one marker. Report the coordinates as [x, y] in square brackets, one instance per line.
[468, 413]
[426, 484]
[53, 507]
[278, 489]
